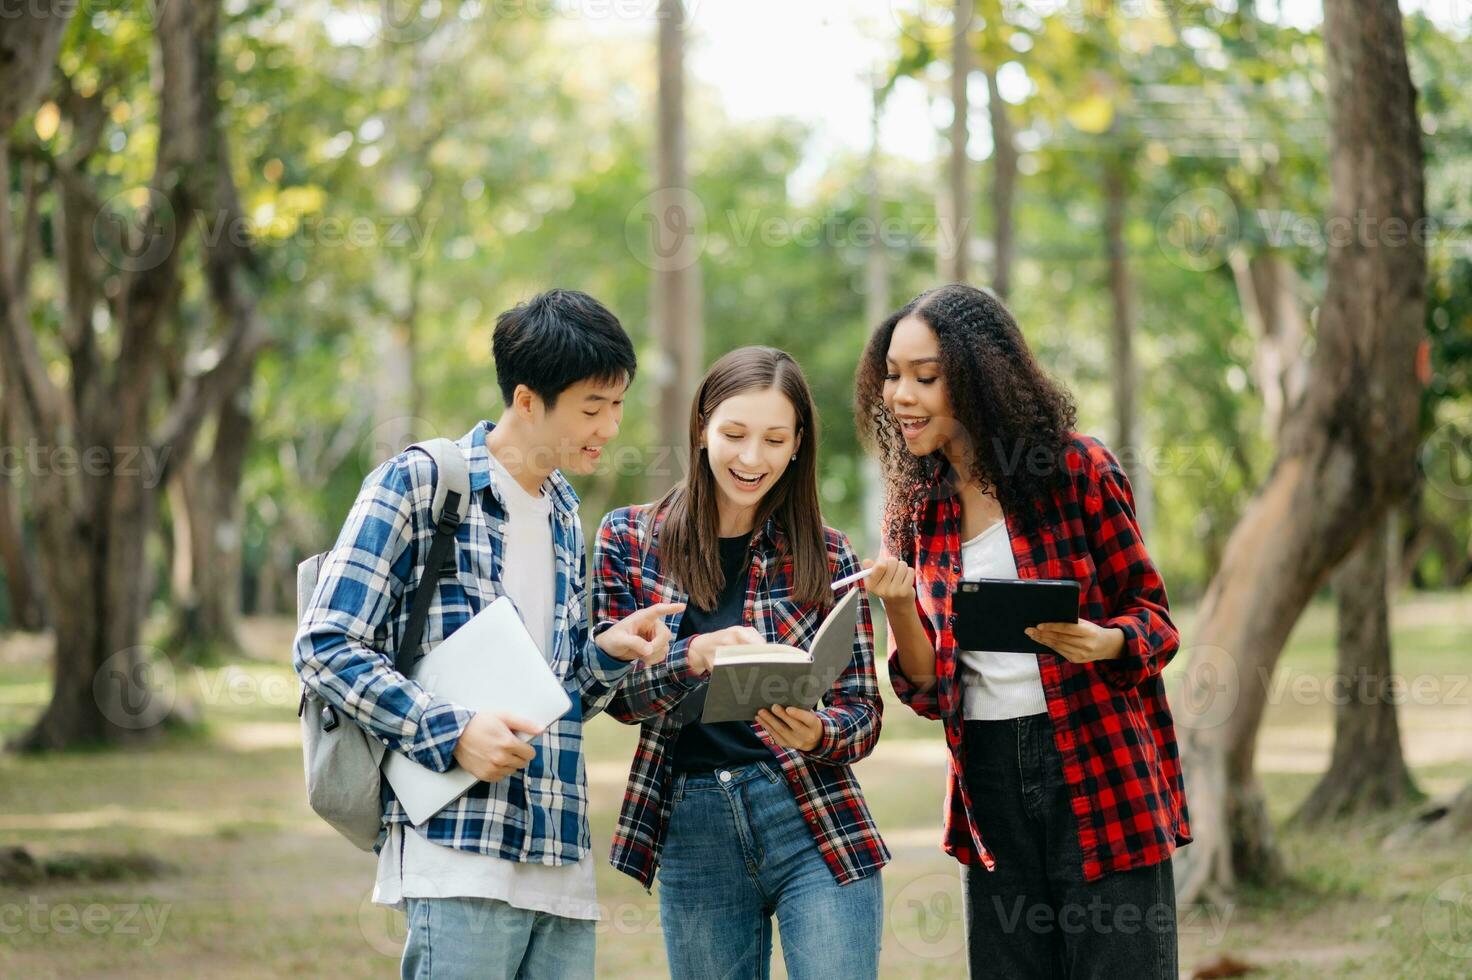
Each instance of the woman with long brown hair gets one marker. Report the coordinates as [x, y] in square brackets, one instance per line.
[1064, 799]
[741, 821]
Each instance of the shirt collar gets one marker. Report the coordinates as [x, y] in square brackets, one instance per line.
[564, 498]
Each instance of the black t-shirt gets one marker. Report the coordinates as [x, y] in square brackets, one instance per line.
[700, 747]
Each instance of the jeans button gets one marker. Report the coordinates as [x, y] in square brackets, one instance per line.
[725, 776]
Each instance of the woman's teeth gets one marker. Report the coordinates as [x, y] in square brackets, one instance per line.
[912, 426]
[747, 482]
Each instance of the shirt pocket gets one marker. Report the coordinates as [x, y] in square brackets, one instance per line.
[791, 622]
[1080, 569]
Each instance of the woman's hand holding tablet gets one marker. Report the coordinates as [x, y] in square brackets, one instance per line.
[1081, 642]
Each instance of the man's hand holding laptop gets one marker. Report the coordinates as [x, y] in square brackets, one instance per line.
[492, 747]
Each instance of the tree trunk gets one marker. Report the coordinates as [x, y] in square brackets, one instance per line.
[1268, 288]
[208, 518]
[1347, 451]
[876, 306]
[1004, 189]
[1368, 772]
[92, 525]
[954, 252]
[676, 301]
[15, 561]
[1455, 822]
[1125, 374]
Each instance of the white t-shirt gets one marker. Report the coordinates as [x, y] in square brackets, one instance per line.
[997, 686]
[412, 866]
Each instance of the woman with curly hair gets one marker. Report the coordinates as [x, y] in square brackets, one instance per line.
[1064, 800]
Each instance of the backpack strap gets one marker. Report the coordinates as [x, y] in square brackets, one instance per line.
[451, 500]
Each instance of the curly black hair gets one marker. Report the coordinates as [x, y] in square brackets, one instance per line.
[1018, 421]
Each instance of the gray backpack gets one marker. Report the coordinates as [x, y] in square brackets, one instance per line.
[342, 759]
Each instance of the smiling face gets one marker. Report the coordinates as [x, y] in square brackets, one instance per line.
[915, 390]
[750, 439]
[585, 417]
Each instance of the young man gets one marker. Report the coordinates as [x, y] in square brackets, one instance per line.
[502, 879]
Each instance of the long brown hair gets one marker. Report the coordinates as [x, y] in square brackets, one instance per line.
[691, 520]
[1018, 422]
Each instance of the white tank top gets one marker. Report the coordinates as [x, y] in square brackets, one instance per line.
[997, 685]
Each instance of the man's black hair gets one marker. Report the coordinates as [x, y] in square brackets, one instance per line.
[556, 339]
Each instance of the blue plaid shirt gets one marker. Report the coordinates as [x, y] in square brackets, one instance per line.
[344, 653]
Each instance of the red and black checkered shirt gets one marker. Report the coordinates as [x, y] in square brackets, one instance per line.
[1111, 722]
[628, 577]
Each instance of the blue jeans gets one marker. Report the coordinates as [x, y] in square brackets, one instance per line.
[738, 850]
[465, 938]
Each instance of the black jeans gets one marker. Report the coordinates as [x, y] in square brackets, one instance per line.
[1035, 915]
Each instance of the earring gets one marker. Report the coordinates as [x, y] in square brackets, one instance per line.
[794, 457]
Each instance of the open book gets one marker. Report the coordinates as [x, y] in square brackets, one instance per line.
[746, 679]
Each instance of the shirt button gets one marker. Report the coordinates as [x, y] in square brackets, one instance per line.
[501, 528]
[725, 776]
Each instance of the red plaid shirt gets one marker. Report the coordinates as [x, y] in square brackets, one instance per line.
[628, 577]
[1111, 722]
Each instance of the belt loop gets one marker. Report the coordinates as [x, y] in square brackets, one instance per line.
[772, 775]
[679, 791]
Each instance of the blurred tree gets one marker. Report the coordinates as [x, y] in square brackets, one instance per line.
[1346, 452]
[676, 306]
[954, 256]
[94, 519]
[16, 565]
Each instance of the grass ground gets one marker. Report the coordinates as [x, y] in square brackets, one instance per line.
[259, 887]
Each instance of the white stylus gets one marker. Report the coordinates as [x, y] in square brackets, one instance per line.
[850, 579]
